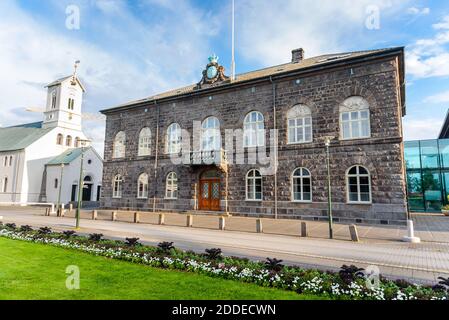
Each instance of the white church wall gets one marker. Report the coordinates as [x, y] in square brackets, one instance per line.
[11, 173]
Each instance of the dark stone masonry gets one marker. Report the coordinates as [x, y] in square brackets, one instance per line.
[322, 84]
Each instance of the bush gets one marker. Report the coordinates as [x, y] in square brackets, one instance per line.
[274, 264]
[11, 226]
[44, 230]
[69, 233]
[165, 246]
[350, 273]
[26, 228]
[132, 242]
[214, 254]
[95, 237]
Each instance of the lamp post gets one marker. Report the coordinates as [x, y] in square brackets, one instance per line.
[327, 143]
[60, 186]
[81, 183]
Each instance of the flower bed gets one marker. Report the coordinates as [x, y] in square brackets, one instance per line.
[349, 283]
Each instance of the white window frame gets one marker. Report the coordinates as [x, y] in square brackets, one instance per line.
[142, 180]
[171, 186]
[299, 113]
[144, 142]
[354, 105]
[60, 142]
[173, 139]
[210, 130]
[53, 100]
[358, 176]
[5, 185]
[254, 130]
[254, 177]
[119, 147]
[117, 192]
[301, 180]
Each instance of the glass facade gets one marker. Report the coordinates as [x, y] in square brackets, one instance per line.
[427, 163]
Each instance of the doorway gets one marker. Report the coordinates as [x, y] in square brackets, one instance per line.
[210, 190]
[87, 189]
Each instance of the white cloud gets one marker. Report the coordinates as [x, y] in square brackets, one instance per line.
[438, 98]
[418, 11]
[420, 129]
[267, 31]
[430, 57]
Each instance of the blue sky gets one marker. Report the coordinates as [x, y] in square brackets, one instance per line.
[133, 49]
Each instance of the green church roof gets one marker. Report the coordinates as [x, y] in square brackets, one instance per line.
[21, 136]
[66, 157]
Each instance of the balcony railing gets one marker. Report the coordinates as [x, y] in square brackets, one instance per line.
[209, 157]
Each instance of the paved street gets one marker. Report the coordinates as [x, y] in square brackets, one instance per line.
[379, 246]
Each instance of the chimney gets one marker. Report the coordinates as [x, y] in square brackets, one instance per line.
[297, 55]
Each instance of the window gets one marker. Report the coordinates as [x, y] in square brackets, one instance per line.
[71, 104]
[5, 163]
[53, 100]
[299, 122]
[56, 183]
[59, 139]
[77, 142]
[10, 161]
[144, 142]
[5, 185]
[302, 185]
[142, 186]
[68, 141]
[173, 139]
[171, 188]
[253, 185]
[355, 118]
[119, 145]
[117, 187]
[253, 130]
[358, 182]
[210, 134]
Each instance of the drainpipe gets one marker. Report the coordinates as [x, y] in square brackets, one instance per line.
[156, 157]
[276, 151]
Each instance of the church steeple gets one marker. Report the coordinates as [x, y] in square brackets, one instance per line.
[64, 101]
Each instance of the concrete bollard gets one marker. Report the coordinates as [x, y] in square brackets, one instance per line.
[62, 211]
[304, 230]
[70, 208]
[52, 209]
[94, 215]
[259, 226]
[136, 217]
[1, 220]
[189, 222]
[47, 212]
[161, 219]
[354, 233]
[114, 216]
[221, 223]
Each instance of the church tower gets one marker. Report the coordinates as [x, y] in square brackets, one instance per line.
[64, 101]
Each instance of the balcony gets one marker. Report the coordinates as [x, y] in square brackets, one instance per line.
[209, 157]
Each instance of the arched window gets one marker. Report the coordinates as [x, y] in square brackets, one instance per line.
[253, 130]
[71, 104]
[210, 134]
[142, 186]
[77, 142]
[59, 139]
[5, 185]
[117, 186]
[173, 139]
[299, 122]
[10, 160]
[355, 118]
[144, 142]
[358, 183]
[68, 141]
[171, 186]
[56, 183]
[53, 100]
[5, 162]
[253, 185]
[119, 145]
[302, 185]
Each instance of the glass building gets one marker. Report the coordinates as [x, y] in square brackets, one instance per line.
[427, 163]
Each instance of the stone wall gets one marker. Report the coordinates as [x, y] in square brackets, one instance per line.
[322, 92]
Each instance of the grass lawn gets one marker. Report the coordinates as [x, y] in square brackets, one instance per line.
[36, 271]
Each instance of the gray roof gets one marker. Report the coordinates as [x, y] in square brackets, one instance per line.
[66, 157]
[59, 81]
[322, 61]
[21, 136]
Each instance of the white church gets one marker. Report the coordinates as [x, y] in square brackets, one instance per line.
[40, 162]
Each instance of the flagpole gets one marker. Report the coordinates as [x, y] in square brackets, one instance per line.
[233, 42]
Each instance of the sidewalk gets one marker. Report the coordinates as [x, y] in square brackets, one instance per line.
[417, 262]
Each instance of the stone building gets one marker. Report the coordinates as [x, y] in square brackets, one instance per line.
[355, 101]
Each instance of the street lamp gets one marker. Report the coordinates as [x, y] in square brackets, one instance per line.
[60, 187]
[327, 143]
[81, 183]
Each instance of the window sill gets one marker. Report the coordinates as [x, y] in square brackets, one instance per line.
[116, 197]
[253, 200]
[301, 201]
[142, 198]
[358, 138]
[298, 143]
[170, 198]
[364, 202]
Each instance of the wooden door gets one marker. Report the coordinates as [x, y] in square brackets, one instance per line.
[209, 195]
